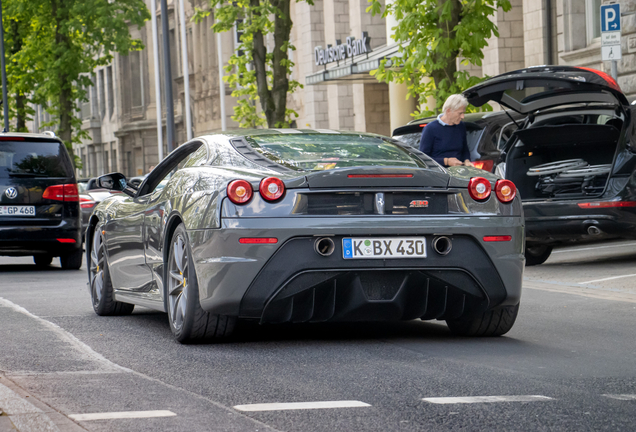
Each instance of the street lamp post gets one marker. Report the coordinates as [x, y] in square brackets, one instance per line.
[5, 103]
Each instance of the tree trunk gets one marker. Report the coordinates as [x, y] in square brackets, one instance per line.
[20, 111]
[448, 71]
[280, 84]
[259, 54]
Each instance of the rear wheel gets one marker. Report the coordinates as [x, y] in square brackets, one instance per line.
[494, 322]
[72, 261]
[188, 321]
[100, 283]
[538, 254]
[42, 260]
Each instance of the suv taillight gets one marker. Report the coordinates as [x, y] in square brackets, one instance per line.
[63, 192]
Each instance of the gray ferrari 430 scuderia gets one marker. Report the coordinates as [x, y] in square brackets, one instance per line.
[281, 226]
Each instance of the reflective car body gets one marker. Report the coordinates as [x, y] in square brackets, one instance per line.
[573, 157]
[285, 260]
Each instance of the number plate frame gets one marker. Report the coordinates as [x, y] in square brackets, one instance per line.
[20, 211]
[387, 248]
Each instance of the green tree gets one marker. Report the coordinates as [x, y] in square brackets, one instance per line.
[256, 73]
[64, 41]
[432, 35]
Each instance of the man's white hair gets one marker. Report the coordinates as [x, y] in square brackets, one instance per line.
[455, 102]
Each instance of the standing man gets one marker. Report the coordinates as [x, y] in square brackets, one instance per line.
[444, 139]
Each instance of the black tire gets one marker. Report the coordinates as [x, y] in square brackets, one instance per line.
[537, 254]
[188, 321]
[100, 284]
[42, 260]
[495, 322]
[72, 261]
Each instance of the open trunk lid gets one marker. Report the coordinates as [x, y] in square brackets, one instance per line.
[539, 87]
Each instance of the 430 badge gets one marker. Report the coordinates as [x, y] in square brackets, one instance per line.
[384, 247]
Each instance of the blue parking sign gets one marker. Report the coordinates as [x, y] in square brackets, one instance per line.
[611, 18]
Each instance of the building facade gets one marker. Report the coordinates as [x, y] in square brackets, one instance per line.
[339, 93]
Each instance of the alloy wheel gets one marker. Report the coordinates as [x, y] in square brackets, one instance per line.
[97, 268]
[178, 282]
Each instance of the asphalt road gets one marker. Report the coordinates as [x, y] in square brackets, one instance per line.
[569, 364]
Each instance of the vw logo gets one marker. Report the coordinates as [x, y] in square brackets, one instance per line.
[11, 193]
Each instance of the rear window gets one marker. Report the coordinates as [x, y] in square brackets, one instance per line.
[34, 159]
[315, 152]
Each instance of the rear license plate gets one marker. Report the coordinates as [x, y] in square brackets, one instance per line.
[17, 210]
[384, 247]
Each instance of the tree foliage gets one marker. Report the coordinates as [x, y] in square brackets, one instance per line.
[59, 45]
[432, 35]
[256, 71]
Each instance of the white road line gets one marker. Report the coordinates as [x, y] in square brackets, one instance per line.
[624, 397]
[300, 405]
[606, 279]
[84, 350]
[486, 399]
[593, 248]
[121, 415]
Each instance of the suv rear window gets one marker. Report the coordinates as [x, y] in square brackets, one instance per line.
[34, 159]
[314, 152]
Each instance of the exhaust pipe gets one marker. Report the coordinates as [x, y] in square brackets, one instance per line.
[324, 246]
[442, 245]
[594, 230]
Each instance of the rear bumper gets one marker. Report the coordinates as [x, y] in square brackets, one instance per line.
[558, 222]
[289, 281]
[32, 240]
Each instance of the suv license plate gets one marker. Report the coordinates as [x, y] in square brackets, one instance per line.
[17, 210]
[383, 247]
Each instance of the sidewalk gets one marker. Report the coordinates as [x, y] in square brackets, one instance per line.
[21, 412]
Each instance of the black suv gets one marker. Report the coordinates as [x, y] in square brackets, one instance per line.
[573, 156]
[39, 201]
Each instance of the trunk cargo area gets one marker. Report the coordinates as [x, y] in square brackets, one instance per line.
[562, 161]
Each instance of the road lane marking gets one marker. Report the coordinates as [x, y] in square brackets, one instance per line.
[84, 350]
[301, 405]
[593, 248]
[486, 399]
[122, 415]
[624, 397]
[606, 279]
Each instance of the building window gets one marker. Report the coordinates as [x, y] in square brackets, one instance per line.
[102, 93]
[593, 17]
[110, 84]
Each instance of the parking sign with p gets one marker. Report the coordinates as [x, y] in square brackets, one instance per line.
[611, 18]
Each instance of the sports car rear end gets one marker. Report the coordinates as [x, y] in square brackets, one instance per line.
[357, 228]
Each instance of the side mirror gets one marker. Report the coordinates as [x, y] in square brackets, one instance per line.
[116, 182]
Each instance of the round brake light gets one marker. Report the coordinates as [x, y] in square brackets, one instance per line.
[239, 191]
[271, 188]
[479, 188]
[505, 190]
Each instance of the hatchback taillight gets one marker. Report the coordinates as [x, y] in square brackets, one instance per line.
[479, 188]
[63, 192]
[87, 203]
[485, 165]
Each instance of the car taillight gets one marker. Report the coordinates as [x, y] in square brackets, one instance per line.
[87, 203]
[271, 188]
[505, 190]
[486, 165]
[65, 192]
[239, 191]
[497, 238]
[479, 188]
[607, 204]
